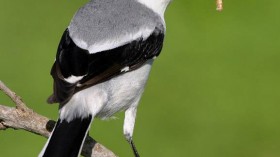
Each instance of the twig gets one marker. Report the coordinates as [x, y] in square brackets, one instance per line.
[16, 99]
[219, 4]
[22, 117]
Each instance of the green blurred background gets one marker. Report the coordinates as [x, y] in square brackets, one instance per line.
[213, 92]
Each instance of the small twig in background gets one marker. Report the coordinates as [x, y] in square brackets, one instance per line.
[219, 4]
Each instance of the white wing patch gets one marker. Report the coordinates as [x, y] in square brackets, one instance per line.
[125, 69]
[114, 42]
[73, 79]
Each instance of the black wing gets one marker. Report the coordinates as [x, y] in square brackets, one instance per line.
[98, 67]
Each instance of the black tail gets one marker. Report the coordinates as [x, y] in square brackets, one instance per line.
[67, 138]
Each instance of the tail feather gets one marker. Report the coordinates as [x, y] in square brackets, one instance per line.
[67, 138]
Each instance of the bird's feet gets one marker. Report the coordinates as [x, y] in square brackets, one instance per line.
[131, 143]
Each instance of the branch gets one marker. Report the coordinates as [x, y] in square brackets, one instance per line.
[22, 117]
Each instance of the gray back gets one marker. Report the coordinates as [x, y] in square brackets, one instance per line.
[103, 20]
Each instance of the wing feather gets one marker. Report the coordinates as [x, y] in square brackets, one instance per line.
[98, 67]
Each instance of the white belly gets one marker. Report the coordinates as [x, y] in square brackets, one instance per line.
[107, 98]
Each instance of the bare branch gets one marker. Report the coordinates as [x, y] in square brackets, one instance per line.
[22, 117]
[16, 99]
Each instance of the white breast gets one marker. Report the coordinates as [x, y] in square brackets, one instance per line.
[107, 98]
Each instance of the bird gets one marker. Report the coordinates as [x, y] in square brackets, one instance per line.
[102, 64]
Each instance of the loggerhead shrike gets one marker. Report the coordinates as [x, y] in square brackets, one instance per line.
[102, 65]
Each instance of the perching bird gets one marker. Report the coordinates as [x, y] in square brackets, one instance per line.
[102, 65]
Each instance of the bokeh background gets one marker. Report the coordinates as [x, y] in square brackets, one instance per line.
[213, 92]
